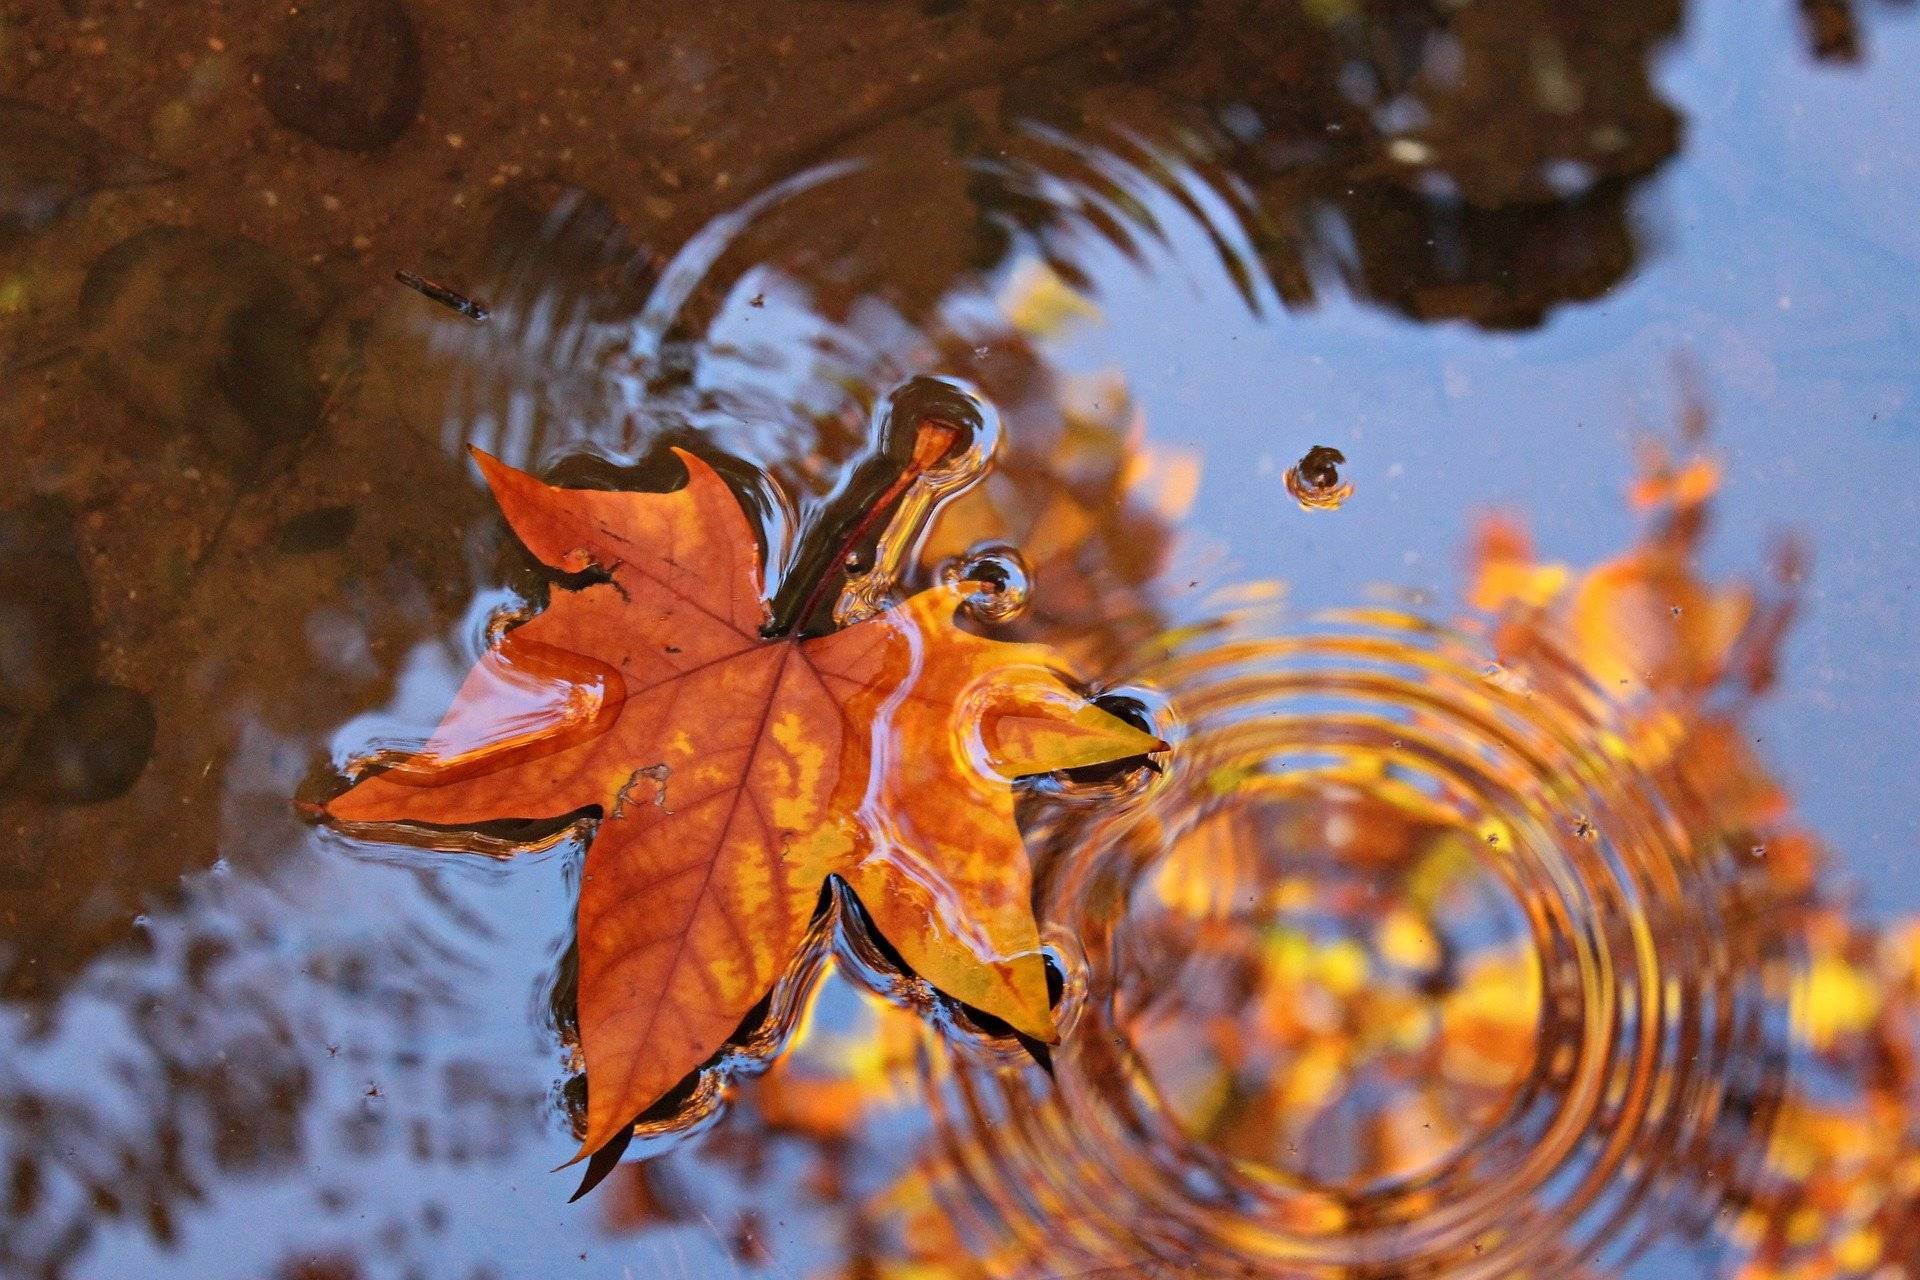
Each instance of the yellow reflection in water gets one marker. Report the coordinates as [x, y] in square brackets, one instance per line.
[1501, 965]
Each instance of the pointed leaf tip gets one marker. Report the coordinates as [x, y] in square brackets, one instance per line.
[604, 1161]
[1028, 735]
[493, 470]
[1028, 1012]
[700, 472]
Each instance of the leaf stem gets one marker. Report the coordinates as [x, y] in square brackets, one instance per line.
[934, 439]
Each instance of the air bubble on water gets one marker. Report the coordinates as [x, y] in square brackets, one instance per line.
[1001, 585]
[1067, 965]
[1315, 481]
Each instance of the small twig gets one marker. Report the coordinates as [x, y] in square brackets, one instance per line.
[444, 296]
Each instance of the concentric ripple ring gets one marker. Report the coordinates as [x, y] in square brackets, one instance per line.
[1450, 940]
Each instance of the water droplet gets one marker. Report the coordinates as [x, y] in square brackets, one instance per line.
[1002, 586]
[1315, 481]
[1066, 974]
[1759, 851]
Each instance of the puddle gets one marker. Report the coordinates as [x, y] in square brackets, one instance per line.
[1546, 905]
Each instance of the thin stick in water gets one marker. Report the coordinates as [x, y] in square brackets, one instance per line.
[444, 296]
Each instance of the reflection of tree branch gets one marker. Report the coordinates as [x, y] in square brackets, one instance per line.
[1081, 27]
[1447, 163]
[1833, 28]
[209, 1065]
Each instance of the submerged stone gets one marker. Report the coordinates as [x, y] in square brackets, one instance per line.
[206, 333]
[48, 162]
[321, 529]
[348, 73]
[48, 640]
[91, 747]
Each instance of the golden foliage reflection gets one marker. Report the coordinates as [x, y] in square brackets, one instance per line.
[1492, 948]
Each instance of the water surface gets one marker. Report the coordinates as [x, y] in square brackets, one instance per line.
[1483, 250]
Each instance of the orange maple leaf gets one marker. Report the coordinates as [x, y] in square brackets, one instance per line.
[735, 772]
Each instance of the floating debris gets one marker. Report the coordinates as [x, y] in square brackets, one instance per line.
[1315, 481]
[444, 296]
